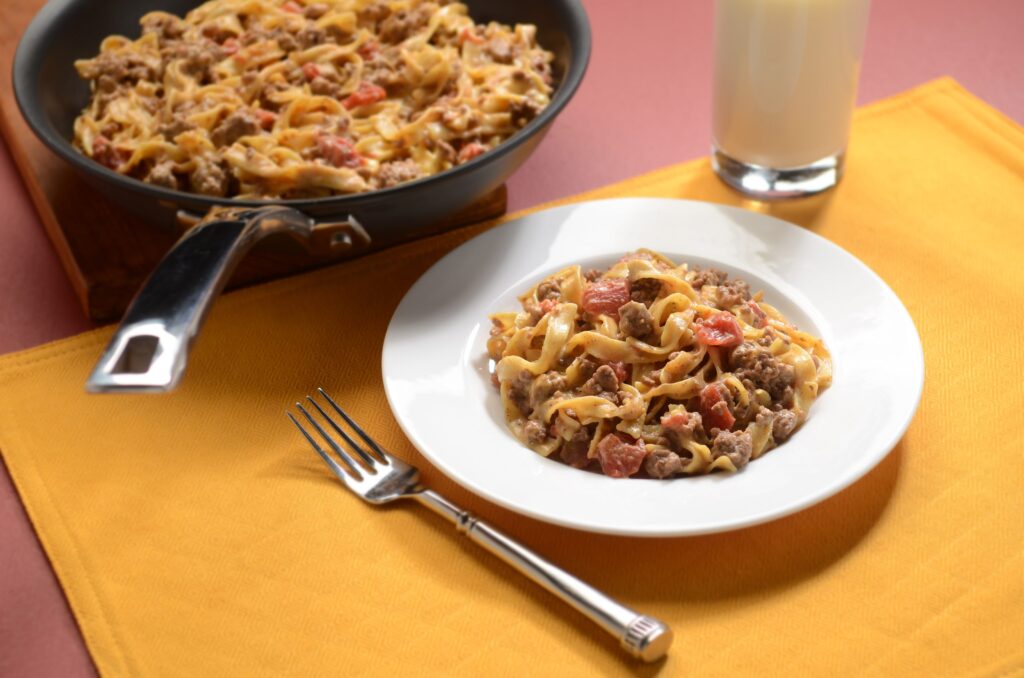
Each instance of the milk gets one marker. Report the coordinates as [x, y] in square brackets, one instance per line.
[786, 78]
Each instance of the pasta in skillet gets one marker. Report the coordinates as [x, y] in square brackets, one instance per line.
[287, 99]
[652, 368]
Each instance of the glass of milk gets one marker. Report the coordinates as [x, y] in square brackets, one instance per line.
[785, 85]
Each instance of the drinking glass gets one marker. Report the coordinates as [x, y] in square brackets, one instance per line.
[784, 88]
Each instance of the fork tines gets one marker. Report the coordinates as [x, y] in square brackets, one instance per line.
[358, 451]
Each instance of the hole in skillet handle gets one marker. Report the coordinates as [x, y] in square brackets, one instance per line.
[149, 350]
[138, 354]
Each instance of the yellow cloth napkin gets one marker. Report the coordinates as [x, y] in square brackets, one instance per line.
[196, 535]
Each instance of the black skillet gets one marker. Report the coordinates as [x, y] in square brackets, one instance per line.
[149, 350]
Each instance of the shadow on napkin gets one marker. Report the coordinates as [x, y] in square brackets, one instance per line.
[808, 212]
[694, 577]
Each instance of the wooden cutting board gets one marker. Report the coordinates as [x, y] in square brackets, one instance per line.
[106, 252]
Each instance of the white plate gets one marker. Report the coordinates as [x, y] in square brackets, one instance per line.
[437, 381]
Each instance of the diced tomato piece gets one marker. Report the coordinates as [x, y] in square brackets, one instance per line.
[369, 50]
[470, 35]
[229, 46]
[368, 93]
[470, 151]
[548, 305]
[265, 118]
[675, 420]
[338, 151]
[622, 371]
[721, 329]
[760, 318]
[606, 296]
[293, 7]
[310, 70]
[714, 408]
[620, 455]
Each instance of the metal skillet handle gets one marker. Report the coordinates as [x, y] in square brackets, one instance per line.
[149, 351]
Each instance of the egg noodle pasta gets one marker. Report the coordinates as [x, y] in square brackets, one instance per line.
[301, 99]
[653, 368]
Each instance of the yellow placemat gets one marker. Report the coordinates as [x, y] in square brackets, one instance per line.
[196, 535]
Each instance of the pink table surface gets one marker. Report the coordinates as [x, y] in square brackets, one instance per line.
[645, 103]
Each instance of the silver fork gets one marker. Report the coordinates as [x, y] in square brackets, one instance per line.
[379, 478]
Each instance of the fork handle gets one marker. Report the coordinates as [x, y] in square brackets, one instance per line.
[642, 636]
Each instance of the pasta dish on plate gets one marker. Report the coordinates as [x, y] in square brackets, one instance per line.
[654, 369]
[304, 99]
